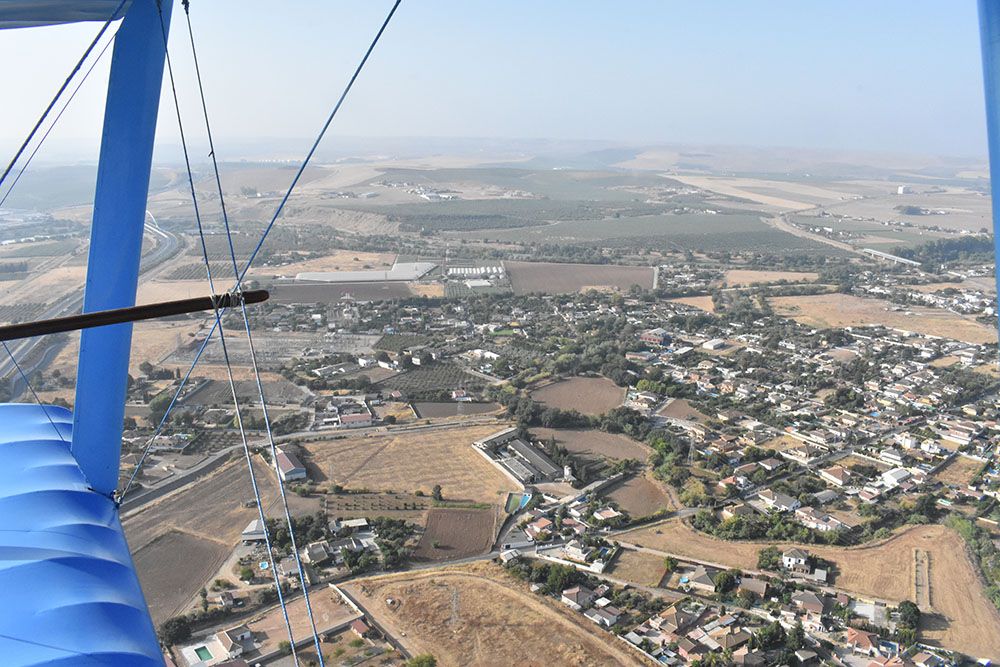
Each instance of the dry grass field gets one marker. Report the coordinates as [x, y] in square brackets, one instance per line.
[212, 508]
[700, 302]
[152, 341]
[44, 286]
[959, 471]
[558, 278]
[589, 395]
[596, 445]
[154, 291]
[639, 567]
[844, 310]
[458, 533]
[181, 540]
[334, 292]
[740, 277]
[338, 260]
[329, 611]
[679, 408]
[430, 290]
[401, 411]
[475, 615]
[641, 496]
[414, 460]
[452, 409]
[961, 618]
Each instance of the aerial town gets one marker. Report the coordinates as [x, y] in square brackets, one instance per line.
[572, 335]
[776, 450]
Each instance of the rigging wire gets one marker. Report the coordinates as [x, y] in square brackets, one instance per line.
[222, 340]
[17, 178]
[246, 268]
[319, 138]
[62, 89]
[27, 383]
[45, 136]
[253, 352]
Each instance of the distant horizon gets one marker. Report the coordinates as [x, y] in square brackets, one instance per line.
[801, 75]
[339, 147]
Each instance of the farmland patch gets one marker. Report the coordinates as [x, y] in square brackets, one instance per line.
[173, 567]
[595, 445]
[641, 496]
[457, 533]
[589, 395]
[414, 460]
[845, 310]
[556, 278]
[476, 615]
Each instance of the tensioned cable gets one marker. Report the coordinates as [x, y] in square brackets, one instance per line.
[17, 178]
[56, 120]
[322, 133]
[215, 324]
[27, 383]
[61, 90]
[222, 340]
[253, 352]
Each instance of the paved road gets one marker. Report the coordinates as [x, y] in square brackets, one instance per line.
[138, 498]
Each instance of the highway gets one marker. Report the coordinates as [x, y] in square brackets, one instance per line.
[27, 351]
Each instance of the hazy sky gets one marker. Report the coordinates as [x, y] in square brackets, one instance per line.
[894, 75]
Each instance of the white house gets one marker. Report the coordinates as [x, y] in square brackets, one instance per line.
[289, 467]
[232, 640]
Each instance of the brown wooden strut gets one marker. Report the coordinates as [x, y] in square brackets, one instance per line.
[150, 311]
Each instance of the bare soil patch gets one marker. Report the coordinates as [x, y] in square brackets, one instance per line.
[740, 277]
[639, 567]
[700, 302]
[211, 508]
[596, 445]
[641, 496]
[589, 395]
[414, 460]
[154, 291]
[337, 260]
[476, 615]
[169, 564]
[845, 310]
[959, 471]
[430, 290]
[329, 611]
[558, 278]
[397, 409]
[457, 533]
[679, 408]
[334, 292]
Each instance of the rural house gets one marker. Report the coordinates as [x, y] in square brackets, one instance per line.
[578, 597]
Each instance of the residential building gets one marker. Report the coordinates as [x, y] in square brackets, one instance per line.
[289, 467]
[836, 475]
[578, 597]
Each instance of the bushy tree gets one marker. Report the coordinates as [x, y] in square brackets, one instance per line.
[175, 630]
